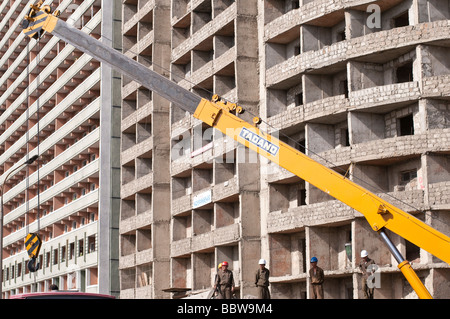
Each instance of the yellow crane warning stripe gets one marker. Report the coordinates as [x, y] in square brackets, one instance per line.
[36, 25]
[32, 244]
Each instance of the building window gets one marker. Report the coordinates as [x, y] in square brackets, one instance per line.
[341, 35]
[343, 88]
[63, 253]
[404, 73]
[300, 145]
[407, 176]
[406, 125]
[301, 197]
[55, 256]
[71, 250]
[299, 99]
[401, 20]
[80, 247]
[345, 138]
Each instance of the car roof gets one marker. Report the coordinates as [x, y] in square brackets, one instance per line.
[61, 295]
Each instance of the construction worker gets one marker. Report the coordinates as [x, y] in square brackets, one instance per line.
[317, 277]
[262, 280]
[366, 269]
[224, 282]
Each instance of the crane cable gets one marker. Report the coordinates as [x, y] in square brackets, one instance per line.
[32, 265]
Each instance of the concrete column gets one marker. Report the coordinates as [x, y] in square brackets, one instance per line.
[109, 197]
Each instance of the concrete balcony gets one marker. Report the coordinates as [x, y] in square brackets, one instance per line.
[388, 148]
[77, 177]
[214, 66]
[226, 191]
[137, 150]
[181, 205]
[47, 95]
[43, 51]
[79, 118]
[386, 95]
[205, 32]
[297, 218]
[368, 46]
[219, 236]
[135, 222]
[315, 9]
[64, 212]
[65, 78]
[59, 160]
[143, 184]
[143, 11]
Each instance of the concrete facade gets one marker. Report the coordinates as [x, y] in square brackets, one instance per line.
[362, 89]
[60, 104]
[139, 199]
[361, 98]
[364, 94]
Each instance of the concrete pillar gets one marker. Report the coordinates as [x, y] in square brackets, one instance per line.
[109, 203]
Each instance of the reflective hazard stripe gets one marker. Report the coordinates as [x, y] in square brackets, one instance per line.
[32, 244]
[36, 26]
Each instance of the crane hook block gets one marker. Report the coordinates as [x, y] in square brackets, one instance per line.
[32, 266]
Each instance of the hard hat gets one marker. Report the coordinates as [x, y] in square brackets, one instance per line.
[220, 266]
[224, 263]
[314, 259]
[364, 253]
[262, 262]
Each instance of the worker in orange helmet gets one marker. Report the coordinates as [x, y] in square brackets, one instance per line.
[224, 282]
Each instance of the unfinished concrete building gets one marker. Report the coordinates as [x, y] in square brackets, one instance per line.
[361, 86]
[180, 218]
[57, 102]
